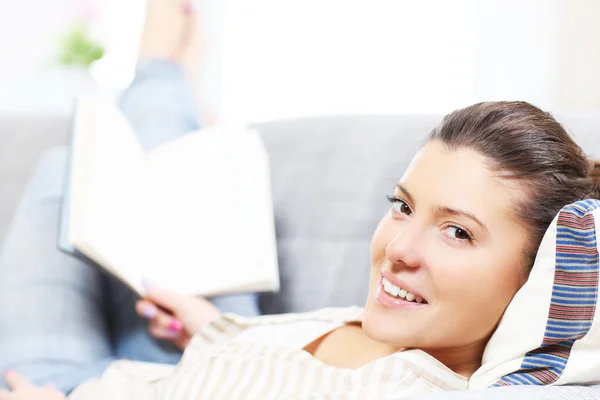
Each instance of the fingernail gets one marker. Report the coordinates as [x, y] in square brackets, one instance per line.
[172, 334]
[149, 311]
[8, 372]
[175, 325]
[147, 283]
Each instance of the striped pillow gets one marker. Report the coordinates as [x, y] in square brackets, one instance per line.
[550, 332]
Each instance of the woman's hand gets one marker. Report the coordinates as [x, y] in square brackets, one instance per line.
[21, 389]
[175, 317]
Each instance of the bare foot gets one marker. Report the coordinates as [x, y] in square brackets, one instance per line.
[191, 49]
[165, 29]
[191, 56]
[172, 32]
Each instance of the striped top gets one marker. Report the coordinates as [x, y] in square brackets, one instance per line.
[263, 358]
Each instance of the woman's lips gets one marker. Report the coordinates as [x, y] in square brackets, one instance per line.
[394, 302]
[402, 284]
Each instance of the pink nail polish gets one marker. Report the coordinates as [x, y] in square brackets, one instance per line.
[175, 326]
[8, 372]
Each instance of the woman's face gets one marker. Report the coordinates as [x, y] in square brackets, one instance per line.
[451, 241]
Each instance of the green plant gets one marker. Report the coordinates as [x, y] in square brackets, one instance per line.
[78, 49]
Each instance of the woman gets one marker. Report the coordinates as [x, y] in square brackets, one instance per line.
[465, 223]
[451, 263]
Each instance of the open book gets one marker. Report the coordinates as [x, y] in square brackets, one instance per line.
[194, 215]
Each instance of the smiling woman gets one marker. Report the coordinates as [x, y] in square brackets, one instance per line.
[467, 219]
[484, 272]
[447, 261]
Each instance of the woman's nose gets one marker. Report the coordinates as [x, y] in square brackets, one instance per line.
[404, 248]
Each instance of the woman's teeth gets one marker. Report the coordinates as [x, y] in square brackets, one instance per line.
[395, 291]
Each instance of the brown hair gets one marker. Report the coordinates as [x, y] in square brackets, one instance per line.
[524, 143]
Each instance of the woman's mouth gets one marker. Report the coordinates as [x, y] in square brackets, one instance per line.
[392, 296]
[398, 292]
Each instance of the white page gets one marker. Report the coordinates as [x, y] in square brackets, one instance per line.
[260, 217]
[105, 180]
[199, 206]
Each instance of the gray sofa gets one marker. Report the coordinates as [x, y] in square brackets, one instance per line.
[330, 176]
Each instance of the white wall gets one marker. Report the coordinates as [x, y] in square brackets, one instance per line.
[28, 40]
[578, 60]
[307, 57]
[516, 49]
[297, 57]
[279, 58]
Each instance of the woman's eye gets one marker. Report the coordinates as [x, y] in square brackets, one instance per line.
[458, 233]
[400, 205]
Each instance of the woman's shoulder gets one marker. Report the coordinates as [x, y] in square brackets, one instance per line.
[230, 325]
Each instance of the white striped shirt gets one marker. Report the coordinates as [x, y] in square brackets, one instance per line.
[263, 358]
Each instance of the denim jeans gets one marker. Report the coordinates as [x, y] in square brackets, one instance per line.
[61, 320]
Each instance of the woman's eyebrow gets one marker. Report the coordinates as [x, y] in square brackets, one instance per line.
[443, 209]
[452, 211]
[406, 192]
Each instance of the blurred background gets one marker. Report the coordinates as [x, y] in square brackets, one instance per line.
[270, 59]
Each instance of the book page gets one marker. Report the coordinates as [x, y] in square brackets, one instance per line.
[209, 214]
[260, 219]
[105, 184]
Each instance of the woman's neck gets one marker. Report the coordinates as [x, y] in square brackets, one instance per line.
[463, 360]
[332, 349]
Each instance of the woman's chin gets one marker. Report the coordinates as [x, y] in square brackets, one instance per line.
[385, 328]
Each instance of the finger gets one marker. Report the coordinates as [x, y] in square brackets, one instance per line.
[15, 381]
[162, 297]
[180, 339]
[160, 332]
[5, 394]
[167, 321]
[157, 316]
[146, 309]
